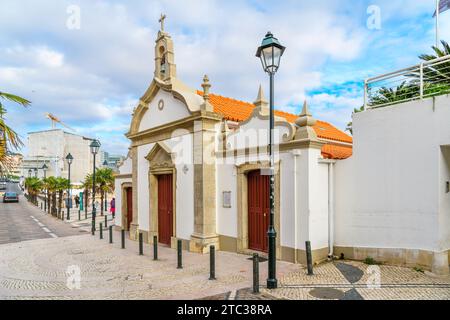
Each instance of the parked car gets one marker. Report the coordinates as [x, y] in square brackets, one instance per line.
[2, 185]
[10, 197]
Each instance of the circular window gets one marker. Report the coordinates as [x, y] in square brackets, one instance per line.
[161, 104]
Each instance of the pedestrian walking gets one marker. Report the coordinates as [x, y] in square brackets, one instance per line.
[77, 200]
[113, 207]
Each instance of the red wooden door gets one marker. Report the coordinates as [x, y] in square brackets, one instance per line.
[258, 210]
[165, 208]
[129, 207]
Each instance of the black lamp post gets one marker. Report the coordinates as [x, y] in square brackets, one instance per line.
[35, 172]
[105, 165]
[69, 159]
[95, 147]
[44, 168]
[270, 53]
[29, 173]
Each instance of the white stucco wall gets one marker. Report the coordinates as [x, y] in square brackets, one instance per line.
[182, 148]
[444, 199]
[303, 198]
[143, 187]
[387, 194]
[118, 195]
[226, 217]
[173, 110]
[254, 133]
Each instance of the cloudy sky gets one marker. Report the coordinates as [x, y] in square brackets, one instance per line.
[91, 77]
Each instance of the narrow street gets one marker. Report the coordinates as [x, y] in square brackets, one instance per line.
[22, 221]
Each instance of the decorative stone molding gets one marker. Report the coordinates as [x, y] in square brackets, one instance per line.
[261, 102]
[305, 123]
[206, 106]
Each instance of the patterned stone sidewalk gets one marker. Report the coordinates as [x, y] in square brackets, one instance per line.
[40, 269]
[351, 280]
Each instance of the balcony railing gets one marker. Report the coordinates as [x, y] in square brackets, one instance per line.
[428, 79]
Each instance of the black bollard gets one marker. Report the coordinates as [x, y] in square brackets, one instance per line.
[179, 255]
[155, 248]
[85, 214]
[106, 221]
[110, 234]
[212, 263]
[141, 245]
[123, 238]
[255, 273]
[79, 215]
[93, 228]
[101, 231]
[309, 258]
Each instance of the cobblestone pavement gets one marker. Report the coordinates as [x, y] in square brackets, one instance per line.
[351, 280]
[39, 270]
[23, 221]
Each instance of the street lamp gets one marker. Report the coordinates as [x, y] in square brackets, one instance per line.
[95, 147]
[69, 159]
[29, 173]
[44, 168]
[270, 53]
[35, 172]
[105, 165]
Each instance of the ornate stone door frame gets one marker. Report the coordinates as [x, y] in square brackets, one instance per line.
[124, 206]
[242, 193]
[160, 161]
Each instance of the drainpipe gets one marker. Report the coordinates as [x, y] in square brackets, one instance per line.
[330, 164]
[296, 154]
[331, 208]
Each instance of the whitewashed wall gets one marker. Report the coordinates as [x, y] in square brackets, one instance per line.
[303, 198]
[387, 194]
[173, 110]
[182, 147]
[125, 168]
[444, 199]
[118, 195]
[143, 205]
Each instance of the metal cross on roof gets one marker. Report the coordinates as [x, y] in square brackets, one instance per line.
[161, 20]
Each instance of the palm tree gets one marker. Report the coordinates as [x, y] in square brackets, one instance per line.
[86, 185]
[52, 187]
[8, 137]
[34, 187]
[62, 184]
[105, 182]
[406, 90]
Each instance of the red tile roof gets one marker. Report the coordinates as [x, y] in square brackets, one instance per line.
[237, 110]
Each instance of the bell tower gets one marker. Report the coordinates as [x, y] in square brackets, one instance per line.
[165, 68]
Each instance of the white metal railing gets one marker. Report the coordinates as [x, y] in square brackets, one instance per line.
[427, 79]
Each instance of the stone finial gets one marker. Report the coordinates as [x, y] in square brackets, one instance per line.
[305, 123]
[261, 101]
[206, 86]
[206, 106]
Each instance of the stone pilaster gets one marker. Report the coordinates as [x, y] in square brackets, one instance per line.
[205, 233]
[134, 226]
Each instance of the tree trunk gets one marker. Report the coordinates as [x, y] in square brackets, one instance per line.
[60, 204]
[53, 204]
[48, 201]
[85, 198]
[102, 202]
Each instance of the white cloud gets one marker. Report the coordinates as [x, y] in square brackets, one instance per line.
[92, 77]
